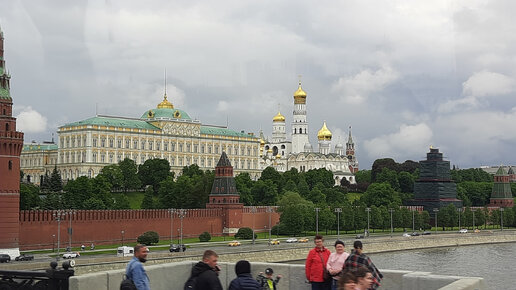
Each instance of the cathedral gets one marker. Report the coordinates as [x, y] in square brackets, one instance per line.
[284, 154]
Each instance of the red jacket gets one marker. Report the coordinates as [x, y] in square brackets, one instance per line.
[314, 266]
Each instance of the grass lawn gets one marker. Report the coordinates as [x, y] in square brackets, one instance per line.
[135, 198]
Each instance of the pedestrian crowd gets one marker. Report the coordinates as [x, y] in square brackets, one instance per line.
[324, 271]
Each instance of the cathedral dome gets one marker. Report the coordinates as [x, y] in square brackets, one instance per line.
[278, 118]
[165, 104]
[324, 133]
[299, 95]
[308, 147]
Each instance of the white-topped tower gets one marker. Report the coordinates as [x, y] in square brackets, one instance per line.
[299, 124]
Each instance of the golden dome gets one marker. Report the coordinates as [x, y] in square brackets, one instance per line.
[278, 156]
[278, 118]
[270, 150]
[299, 95]
[165, 104]
[324, 133]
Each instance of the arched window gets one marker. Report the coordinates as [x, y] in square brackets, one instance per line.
[7, 127]
[10, 165]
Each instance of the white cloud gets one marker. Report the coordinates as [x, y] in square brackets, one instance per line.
[486, 83]
[30, 121]
[356, 89]
[222, 106]
[409, 141]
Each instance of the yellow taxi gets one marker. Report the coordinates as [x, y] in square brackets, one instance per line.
[274, 242]
[234, 244]
[303, 240]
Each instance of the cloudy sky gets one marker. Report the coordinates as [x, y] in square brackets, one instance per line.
[404, 74]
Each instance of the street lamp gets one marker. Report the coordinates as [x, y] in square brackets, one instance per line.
[253, 211]
[171, 211]
[53, 243]
[460, 211]
[181, 213]
[338, 210]
[436, 210]
[122, 232]
[413, 223]
[69, 213]
[368, 210]
[391, 211]
[269, 210]
[473, 219]
[501, 217]
[317, 220]
[58, 216]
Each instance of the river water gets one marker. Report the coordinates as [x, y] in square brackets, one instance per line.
[494, 262]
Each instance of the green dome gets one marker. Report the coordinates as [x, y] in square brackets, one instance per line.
[165, 113]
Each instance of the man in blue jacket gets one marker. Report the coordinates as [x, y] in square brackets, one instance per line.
[135, 270]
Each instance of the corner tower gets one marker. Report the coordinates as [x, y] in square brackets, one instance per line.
[299, 124]
[501, 195]
[11, 144]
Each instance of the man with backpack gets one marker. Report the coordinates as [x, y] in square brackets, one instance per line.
[205, 273]
[135, 272]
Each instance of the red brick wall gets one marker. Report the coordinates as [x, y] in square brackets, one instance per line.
[105, 226]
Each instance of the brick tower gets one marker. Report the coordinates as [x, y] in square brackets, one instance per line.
[502, 194]
[11, 143]
[225, 195]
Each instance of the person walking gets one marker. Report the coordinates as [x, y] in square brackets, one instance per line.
[358, 259]
[205, 273]
[135, 271]
[364, 278]
[347, 281]
[268, 282]
[336, 262]
[315, 265]
[244, 280]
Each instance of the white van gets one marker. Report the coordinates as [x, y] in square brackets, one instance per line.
[125, 251]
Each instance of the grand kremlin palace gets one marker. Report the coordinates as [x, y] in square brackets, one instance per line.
[85, 147]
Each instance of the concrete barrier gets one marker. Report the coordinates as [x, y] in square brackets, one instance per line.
[174, 275]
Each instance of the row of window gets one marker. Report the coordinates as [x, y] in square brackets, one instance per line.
[26, 162]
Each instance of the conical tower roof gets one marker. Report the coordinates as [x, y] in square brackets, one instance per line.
[224, 160]
[501, 171]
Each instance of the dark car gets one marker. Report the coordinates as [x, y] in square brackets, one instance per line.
[426, 233]
[177, 248]
[24, 257]
[359, 236]
[415, 234]
[4, 258]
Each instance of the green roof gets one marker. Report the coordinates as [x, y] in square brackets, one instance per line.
[165, 113]
[501, 171]
[222, 131]
[114, 122]
[38, 147]
[4, 94]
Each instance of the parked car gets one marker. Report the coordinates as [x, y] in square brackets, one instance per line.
[24, 257]
[125, 251]
[426, 233]
[71, 255]
[463, 231]
[303, 240]
[274, 242]
[477, 231]
[234, 244]
[415, 234]
[4, 258]
[406, 235]
[359, 236]
[177, 248]
[291, 240]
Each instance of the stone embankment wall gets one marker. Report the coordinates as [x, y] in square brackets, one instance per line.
[174, 275]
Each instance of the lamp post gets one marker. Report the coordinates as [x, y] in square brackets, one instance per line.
[413, 223]
[436, 210]
[253, 211]
[473, 219]
[317, 220]
[269, 210]
[122, 232]
[368, 210]
[53, 243]
[58, 216]
[338, 210]
[501, 218]
[172, 212]
[182, 214]
[391, 211]
[69, 214]
[460, 211]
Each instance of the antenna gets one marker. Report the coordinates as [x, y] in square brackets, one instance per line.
[96, 110]
[227, 121]
[165, 81]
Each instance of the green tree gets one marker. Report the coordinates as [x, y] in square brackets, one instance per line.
[379, 194]
[93, 203]
[29, 196]
[363, 176]
[129, 170]
[273, 175]
[389, 176]
[154, 171]
[326, 219]
[244, 183]
[148, 200]
[52, 201]
[321, 175]
[244, 234]
[302, 187]
[204, 237]
[406, 181]
[101, 189]
[148, 238]
[55, 184]
[265, 192]
[408, 166]
[166, 196]
[296, 213]
[375, 218]
[77, 192]
[113, 175]
[121, 201]
[380, 164]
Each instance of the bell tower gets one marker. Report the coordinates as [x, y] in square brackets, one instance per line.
[11, 143]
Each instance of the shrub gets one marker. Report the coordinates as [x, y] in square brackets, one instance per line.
[148, 238]
[205, 237]
[245, 234]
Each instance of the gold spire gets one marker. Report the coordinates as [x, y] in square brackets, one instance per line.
[299, 95]
[165, 104]
[278, 118]
[324, 133]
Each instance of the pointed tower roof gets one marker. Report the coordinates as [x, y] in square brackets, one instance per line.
[324, 133]
[350, 138]
[224, 160]
[501, 171]
[510, 171]
[279, 118]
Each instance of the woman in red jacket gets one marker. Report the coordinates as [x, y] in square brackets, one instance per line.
[315, 265]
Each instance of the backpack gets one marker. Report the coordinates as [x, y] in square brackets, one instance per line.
[127, 284]
[191, 283]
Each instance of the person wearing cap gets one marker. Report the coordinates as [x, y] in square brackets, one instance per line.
[268, 282]
[244, 280]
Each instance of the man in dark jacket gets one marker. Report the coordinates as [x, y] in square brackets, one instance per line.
[205, 272]
[244, 280]
[358, 259]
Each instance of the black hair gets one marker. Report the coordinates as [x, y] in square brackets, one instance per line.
[357, 245]
[339, 242]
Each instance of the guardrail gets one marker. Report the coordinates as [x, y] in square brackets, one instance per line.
[51, 279]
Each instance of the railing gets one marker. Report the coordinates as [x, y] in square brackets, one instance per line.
[51, 279]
